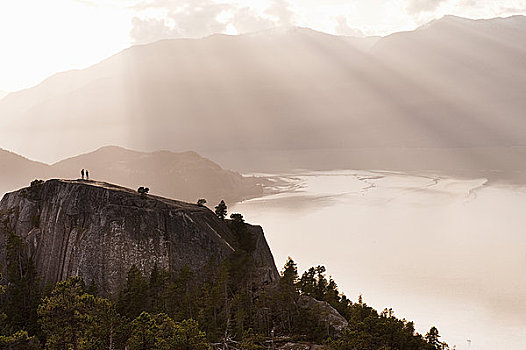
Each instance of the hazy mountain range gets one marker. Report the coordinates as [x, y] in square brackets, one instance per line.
[17, 171]
[3, 94]
[449, 95]
[186, 176]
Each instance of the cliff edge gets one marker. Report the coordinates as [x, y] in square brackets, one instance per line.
[97, 230]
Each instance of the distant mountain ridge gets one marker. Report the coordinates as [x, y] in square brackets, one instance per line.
[186, 176]
[17, 170]
[452, 84]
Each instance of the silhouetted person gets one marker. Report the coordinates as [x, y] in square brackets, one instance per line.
[87, 175]
[82, 173]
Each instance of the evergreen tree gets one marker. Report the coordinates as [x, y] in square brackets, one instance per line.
[157, 289]
[320, 283]
[19, 341]
[181, 295]
[252, 341]
[73, 319]
[243, 237]
[143, 333]
[221, 210]
[160, 332]
[229, 305]
[143, 191]
[237, 218]
[289, 276]
[22, 292]
[432, 338]
[215, 303]
[285, 299]
[307, 282]
[187, 336]
[132, 300]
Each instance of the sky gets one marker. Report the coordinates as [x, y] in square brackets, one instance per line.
[41, 38]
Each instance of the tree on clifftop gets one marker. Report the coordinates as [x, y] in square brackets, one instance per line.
[143, 191]
[432, 338]
[238, 218]
[221, 210]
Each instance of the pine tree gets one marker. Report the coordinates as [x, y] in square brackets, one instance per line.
[22, 291]
[181, 295]
[432, 338]
[143, 333]
[157, 290]
[160, 332]
[73, 319]
[221, 210]
[19, 341]
[133, 299]
[289, 276]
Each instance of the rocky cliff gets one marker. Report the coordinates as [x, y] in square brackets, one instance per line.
[98, 231]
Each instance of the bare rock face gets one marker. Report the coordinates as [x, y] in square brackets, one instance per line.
[98, 231]
[266, 273]
[326, 312]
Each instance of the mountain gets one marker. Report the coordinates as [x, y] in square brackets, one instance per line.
[17, 171]
[472, 72]
[218, 93]
[98, 231]
[447, 96]
[3, 94]
[185, 176]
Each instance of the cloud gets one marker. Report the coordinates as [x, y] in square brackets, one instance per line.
[281, 11]
[465, 8]
[200, 18]
[246, 20]
[343, 28]
[419, 6]
[162, 19]
[150, 30]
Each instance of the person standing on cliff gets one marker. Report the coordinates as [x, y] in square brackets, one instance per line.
[82, 174]
[87, 175]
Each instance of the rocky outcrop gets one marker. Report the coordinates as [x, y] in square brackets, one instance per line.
[262, 255]
[98, 231]
[326, 313]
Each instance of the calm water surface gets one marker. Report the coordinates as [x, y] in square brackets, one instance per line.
[440, 251]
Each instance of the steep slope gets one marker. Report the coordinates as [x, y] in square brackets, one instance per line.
[98, 231]
[454, 84]
[186, 176]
